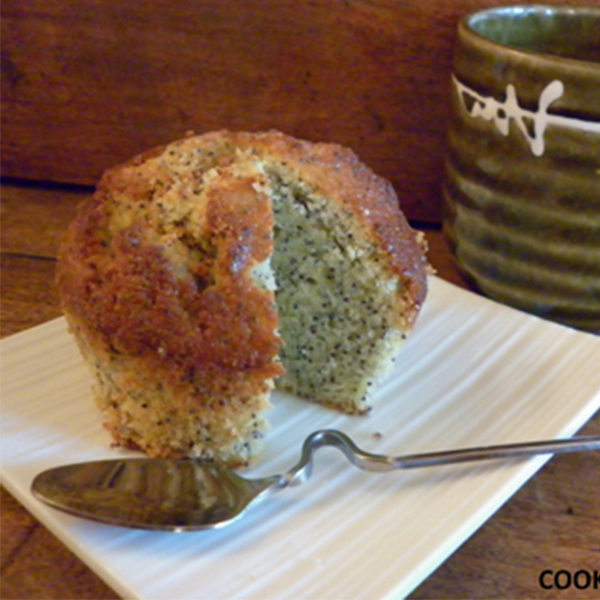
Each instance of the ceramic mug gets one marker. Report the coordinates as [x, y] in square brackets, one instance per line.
[522, 188]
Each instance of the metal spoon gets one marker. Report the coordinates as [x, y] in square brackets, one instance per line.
[189, 495]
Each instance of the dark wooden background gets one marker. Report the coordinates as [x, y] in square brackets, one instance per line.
[88, 83]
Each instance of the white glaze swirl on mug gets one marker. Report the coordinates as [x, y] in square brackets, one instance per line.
[501, 113]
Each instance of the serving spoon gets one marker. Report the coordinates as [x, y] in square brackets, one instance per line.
[191, 495]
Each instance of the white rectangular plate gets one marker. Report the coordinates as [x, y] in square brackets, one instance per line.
[473, 373]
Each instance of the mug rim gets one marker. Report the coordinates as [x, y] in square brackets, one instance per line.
[467, 22]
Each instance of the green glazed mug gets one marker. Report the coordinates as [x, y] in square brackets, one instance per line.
[522, 187]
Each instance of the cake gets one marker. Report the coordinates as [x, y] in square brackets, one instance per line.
[203, 273]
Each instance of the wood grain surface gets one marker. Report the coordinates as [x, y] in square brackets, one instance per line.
[552, 523]
[88, 83]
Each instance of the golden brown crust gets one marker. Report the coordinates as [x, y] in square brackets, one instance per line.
[132, 299]
[167, 312]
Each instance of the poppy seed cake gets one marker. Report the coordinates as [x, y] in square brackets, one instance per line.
[201, 273]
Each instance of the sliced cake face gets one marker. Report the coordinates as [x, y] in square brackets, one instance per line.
[338, 305]
[202, 273]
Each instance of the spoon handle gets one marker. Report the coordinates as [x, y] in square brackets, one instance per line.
[380, 463]
[580, 444]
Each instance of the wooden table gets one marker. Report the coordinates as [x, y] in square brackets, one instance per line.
[552, 523]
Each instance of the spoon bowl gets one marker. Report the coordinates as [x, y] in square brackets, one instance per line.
[146, 493]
